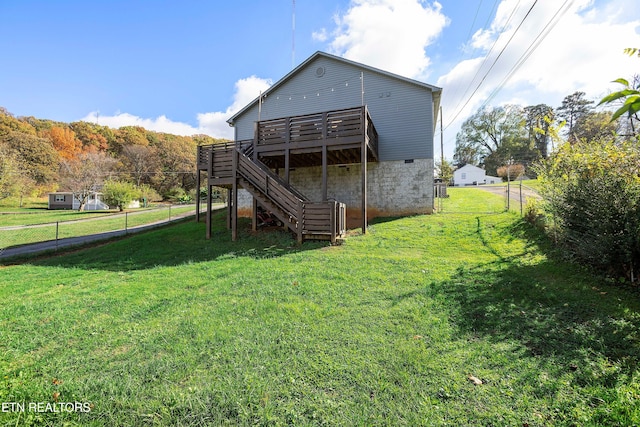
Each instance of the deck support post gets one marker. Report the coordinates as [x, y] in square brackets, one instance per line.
[229, 195]
[324, 171]
[254, 215]
[208, 216]
[363, 161]
[300, 226]
[198, 194]
[287, 143]
[234, 198]
[209, 191]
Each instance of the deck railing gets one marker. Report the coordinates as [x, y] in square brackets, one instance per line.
[342, 127]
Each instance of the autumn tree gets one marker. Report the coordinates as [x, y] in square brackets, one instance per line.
[37, 156]
[140, 162]
[64, 141]
[14, 177]
[129, 135]
[177, 156]
[9, 123]
[86, 174]
[90, 136]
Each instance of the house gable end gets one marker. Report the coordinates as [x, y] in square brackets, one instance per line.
[402, 109]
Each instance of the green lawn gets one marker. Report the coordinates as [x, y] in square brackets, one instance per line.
[167, 328]
[69, 226]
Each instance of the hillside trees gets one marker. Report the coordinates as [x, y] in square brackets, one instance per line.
[177, 158]
[86, 174]
[64, 141]
[36, 155]
[163, 163]
[12, 176]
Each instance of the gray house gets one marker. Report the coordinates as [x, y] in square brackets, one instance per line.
[336, 133]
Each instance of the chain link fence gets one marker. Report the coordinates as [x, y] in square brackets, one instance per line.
[58, 232]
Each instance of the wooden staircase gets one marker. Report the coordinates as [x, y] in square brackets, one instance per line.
[328, 138]
[307, 219]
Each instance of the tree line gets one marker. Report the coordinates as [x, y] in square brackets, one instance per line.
[39, 156]
[494, 137]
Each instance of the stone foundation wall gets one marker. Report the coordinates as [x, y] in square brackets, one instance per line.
[393, 188]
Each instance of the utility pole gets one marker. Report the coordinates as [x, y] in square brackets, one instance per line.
[293, 36]
[441, 143]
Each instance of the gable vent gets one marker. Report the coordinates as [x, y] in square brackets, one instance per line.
[320, 71]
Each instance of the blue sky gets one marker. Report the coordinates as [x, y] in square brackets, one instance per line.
[186, 66]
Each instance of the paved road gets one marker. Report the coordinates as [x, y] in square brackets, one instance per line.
[53, 245]
[514, 192]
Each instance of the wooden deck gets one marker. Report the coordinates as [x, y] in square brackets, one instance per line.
[327, 138]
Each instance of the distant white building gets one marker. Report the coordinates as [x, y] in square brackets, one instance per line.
[67, 200]
[473, 175]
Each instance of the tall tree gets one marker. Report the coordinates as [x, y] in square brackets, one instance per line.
[491, 136]
[86, 174]
[538, 126]
[573, 107]
[140, 162]
[594, 126]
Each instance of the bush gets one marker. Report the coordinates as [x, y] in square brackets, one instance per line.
[511, 172]
[177, 195]
[533, 214]
[119, 193]
[593, 194]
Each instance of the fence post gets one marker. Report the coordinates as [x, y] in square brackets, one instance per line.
[57, 230]
[126, 223]
[169, 213]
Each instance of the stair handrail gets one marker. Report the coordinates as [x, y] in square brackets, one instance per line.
[269, 181]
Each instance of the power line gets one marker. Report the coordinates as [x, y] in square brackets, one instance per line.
[484, 61]
[532, 47]
[494, 63]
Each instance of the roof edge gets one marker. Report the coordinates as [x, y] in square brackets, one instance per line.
[435, 89]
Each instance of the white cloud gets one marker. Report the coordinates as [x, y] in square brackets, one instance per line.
[320, 36]
[215, 123]
[583, 52]
[212, 123]
[389, 34]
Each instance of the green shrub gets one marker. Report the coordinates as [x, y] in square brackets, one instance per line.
[119, 193]
[592, 191]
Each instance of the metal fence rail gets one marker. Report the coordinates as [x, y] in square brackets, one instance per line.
[51, 235]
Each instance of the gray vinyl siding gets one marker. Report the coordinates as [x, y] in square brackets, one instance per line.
[402, 112]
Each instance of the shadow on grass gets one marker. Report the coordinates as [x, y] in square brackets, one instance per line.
[179, 244]
[552, 308]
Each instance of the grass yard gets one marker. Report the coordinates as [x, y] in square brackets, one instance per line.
[449, 319]
[74, 223]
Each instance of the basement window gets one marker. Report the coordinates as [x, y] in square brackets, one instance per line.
[409, 161]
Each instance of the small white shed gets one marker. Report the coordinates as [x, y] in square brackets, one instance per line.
[469, 175]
